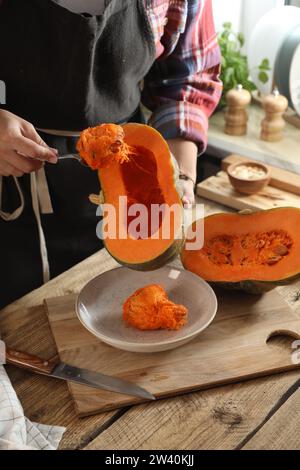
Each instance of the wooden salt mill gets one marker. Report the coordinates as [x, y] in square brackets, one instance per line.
[236, 117]
[273, 124]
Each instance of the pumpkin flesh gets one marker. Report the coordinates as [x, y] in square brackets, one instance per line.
[136, 164]
[263, 247]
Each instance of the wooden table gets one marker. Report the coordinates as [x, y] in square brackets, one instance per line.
[258, 414]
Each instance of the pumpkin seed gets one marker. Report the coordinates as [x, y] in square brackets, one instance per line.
[274, 260]
[281, 250]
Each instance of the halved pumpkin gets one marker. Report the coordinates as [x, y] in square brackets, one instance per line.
[134, 161]
[253, 252]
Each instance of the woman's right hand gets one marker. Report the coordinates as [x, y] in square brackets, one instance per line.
[21, 148]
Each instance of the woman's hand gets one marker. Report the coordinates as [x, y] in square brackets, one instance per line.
[21, 148]
[185, 153]
[188, 195]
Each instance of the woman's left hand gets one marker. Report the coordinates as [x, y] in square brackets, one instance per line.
[188, 195]
[185, 153]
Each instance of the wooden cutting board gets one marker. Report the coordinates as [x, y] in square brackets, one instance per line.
[218, 189]
[232, 349]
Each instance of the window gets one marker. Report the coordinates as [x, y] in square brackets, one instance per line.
[295, 3]
[243, 14]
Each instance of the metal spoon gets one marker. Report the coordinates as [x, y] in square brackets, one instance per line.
[72, 156]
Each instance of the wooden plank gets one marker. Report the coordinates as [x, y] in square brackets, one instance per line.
[291, 294]
[281, 179]
[24, 325]
[46, 400]
[218, 189]
[282, 430]
[216, 419]
[232, 349]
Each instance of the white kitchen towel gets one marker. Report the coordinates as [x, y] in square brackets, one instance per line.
[16, 431]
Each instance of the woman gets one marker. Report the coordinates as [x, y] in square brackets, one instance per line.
[66, 70]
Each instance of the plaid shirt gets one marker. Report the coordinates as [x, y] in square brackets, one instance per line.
[183, 87]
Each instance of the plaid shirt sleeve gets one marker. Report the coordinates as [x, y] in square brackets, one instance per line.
[183, 86]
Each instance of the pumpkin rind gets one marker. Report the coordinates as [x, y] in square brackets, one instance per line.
[169, 255]
[282, 273]
[157, 252]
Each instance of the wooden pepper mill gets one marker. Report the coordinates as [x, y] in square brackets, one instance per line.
[236, 117]
[273, 124]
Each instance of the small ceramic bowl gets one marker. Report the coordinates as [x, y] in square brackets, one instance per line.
[245, 185]
[99, 308]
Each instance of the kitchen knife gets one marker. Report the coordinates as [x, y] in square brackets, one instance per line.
[60, 370]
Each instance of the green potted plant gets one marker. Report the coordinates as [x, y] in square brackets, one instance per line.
[235, 70]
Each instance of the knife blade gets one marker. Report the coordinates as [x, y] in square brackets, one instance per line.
[60, 370]
[98, 380]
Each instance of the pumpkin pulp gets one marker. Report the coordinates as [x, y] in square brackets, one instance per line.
[149, 308]
[140, 179]
[262, 246]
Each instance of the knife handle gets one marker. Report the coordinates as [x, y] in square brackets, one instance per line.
[30, 362]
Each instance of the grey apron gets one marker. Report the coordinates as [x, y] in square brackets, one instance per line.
[65, 71]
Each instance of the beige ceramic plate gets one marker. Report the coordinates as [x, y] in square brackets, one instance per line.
[99, 307]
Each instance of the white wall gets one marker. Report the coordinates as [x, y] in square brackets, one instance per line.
[227, 10]
[243, 14]
[253, 10]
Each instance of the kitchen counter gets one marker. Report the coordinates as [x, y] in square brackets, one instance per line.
[284, 154]
[257, 414]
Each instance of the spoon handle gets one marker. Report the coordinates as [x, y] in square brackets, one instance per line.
[72, 156]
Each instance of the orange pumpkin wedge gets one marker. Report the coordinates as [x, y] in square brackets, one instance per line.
[134, 162]
[253, 252]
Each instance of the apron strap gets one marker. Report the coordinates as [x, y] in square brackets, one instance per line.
[36, 210]
[7, 216]
[40, 201]
[43, 192]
